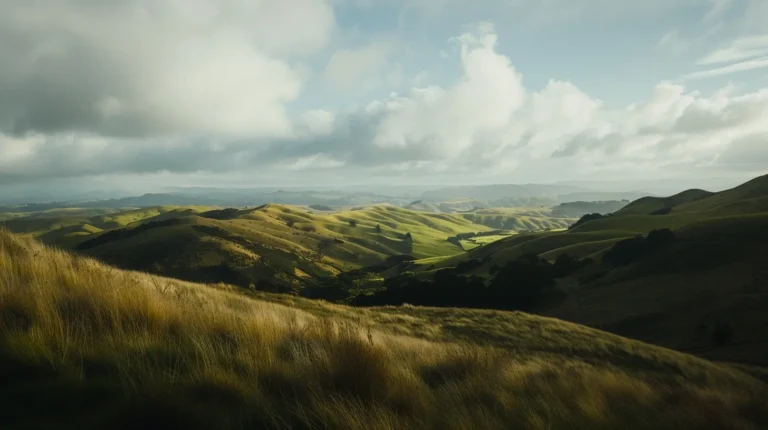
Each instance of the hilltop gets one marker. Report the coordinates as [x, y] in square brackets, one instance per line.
[687, 207]
[87, 346]
[649, 205]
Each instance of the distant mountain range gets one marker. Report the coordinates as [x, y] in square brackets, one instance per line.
[439, 200]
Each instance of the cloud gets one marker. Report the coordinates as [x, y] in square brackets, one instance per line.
[672, 41]
[314, 162]
[317, 122]
[349, 68]
[143, 68]
[739, 50]
[482, 102]
[718, 9]
[486, 125]
[758, 63]
[743, 54]
[748, 152]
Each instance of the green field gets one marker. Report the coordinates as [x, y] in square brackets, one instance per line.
[476, 242]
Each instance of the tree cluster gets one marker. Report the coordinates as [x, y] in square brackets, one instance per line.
[521, 284]
[629, 250]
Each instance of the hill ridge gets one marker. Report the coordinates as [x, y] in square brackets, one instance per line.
[647, 205]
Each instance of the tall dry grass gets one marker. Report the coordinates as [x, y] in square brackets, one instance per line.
[83, 345]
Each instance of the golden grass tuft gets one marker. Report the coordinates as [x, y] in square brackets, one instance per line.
[83, 345]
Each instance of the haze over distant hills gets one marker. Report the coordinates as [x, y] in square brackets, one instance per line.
[486, 196]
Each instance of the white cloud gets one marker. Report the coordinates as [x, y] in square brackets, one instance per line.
[482, 102]
[315, 162]
[318, 122]
[17, 151]
[743, 54]
[672, 41]
[154, 67]
[743, 66]
[739, 50]
[356, 68]
[420, 78]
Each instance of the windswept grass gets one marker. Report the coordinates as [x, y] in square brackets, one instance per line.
[87, 346]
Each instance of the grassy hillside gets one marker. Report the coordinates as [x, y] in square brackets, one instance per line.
[647, 205]
[705, 293]
[519, 219]
[69, 227]
[44, 222]
[713, 277]
[273, 247]
[685, 208]
[754, 189]
[86, 346]
[549, 244]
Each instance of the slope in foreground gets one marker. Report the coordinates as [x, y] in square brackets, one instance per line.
[86, 346]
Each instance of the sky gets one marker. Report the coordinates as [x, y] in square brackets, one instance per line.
[138, 93]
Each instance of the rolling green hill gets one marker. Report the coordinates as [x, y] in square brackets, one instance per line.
[68, 227]
[687, 207]
[705, 293]
[550, 244]
[86, 346]
[647, 205]
[274, 247]
[518, 219]
[713, 277]
[754, 189]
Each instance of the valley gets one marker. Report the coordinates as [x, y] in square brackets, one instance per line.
[272, 247]
[709, 277]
